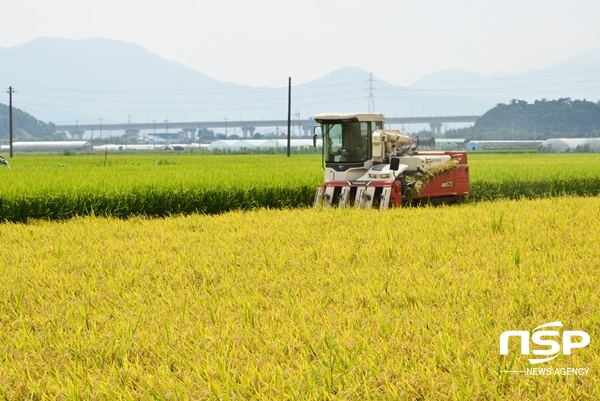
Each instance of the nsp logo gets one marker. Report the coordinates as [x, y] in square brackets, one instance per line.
[543, 339]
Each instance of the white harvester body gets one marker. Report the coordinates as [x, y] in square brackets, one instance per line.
[369, 166]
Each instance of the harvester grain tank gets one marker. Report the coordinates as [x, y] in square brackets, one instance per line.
[369, 166]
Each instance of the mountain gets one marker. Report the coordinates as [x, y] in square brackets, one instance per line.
[66, 80]
[88, 81]
[576, 77]
[347, 90]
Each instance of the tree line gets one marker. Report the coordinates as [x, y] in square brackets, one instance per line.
[26, 127]
[541, 119]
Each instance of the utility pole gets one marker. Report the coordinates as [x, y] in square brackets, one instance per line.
[10, 119]
[297, 115]
[289, 127]
[128, 129]
[167, 124]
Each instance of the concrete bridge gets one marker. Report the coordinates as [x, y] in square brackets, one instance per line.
[249, 126]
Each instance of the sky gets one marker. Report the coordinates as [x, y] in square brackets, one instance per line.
[263, 42]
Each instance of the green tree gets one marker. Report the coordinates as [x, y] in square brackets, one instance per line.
[25, 126]
[542, 118]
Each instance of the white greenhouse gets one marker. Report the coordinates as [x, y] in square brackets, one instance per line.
[236, 145]
[570, 145]
[48, 145]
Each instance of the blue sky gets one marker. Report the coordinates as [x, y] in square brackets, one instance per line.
[262, 42]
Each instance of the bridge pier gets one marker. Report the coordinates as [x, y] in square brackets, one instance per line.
[76, 134]
[436, 128]
[307, 130]
[248, 131]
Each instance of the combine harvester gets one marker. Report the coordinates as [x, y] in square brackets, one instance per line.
[368, 166]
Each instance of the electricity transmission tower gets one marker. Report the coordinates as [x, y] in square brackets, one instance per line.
[371, 95]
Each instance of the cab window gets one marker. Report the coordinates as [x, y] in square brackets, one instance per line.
[347, 142]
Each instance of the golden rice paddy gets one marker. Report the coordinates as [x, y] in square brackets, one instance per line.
[300, 303]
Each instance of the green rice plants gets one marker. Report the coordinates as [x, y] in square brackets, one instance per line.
[61, 187]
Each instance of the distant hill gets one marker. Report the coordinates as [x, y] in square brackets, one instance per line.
[562, 117]
[25, 126]
[87, 81]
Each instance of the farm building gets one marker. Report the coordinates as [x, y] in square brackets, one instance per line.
[465, 144]
[562, 145]
[230, 144]
[234, 145]
[451, 143]
[482, 145]
[113, 147]
[49, 145]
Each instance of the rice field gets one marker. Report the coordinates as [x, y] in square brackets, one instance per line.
[154, 185]
[124, 185]
[300, 304]
[239, 291]
[533, 175]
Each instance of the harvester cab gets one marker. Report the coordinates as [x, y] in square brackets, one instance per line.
[368, 166]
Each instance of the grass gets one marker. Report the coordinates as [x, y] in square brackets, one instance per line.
[299, 304]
